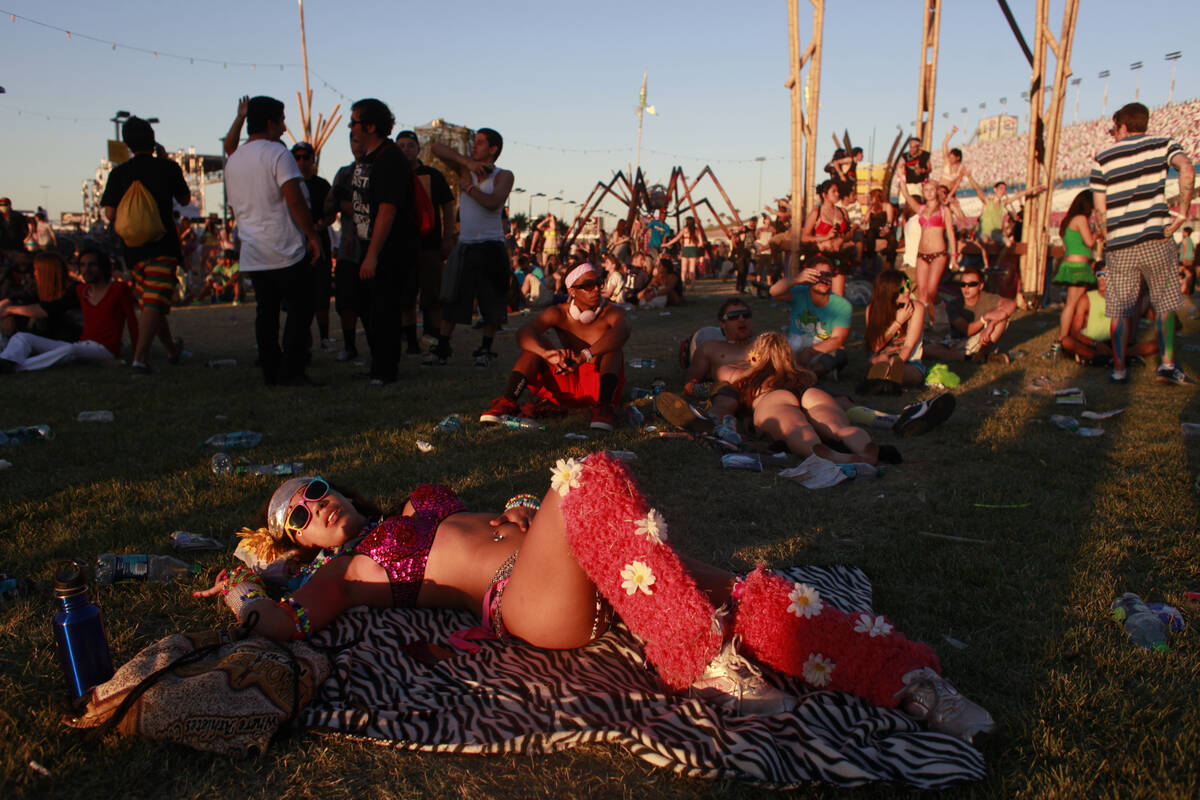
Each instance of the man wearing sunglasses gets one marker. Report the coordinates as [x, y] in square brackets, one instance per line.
[1128, 183]
[586, 369]
[978, 322]
[819, 320]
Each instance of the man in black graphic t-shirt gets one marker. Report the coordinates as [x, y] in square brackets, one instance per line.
[382, 188]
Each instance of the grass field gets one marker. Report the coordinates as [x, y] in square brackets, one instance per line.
[1049, 528]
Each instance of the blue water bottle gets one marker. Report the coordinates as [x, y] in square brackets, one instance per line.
[79, 632]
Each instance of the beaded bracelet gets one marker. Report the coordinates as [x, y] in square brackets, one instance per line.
[298, 612]
[239, 575]
[523, 501]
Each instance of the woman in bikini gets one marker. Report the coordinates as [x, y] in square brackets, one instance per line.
[692, 239]
[938, 246]
[552, 572]
[789, 408]
[827, 228]
[1075, 269]
[895, 324]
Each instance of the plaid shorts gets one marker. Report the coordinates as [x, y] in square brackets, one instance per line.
[154, 282]
[1157, 261]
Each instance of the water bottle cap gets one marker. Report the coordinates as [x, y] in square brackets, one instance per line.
[70, 577]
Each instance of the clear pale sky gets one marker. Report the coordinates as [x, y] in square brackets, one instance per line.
[556, 79]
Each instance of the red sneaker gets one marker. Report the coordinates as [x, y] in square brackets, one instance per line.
[603, 417]
[500, 408]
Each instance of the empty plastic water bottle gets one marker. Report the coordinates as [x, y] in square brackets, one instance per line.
[643, 363]
[112, 568]
[222, 362]
[1144, 627]
[451, 424]
[25, 434]
[183, 540]
[94, 416]
[222, 464]
[282, 468]
[237, 440]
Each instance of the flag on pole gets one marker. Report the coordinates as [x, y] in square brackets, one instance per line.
[642, 100]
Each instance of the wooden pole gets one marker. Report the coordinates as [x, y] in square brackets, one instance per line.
[931, 25]
[736, 219]
[1041, 171]
[305, 109]
[805, 103]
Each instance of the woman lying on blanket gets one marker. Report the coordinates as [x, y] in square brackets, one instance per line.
[553, 572]
[789, 408]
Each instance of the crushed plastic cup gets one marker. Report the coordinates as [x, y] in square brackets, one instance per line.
[749, 461]
[25, 434]
[94, 416]
[424, 446]
[452, 423]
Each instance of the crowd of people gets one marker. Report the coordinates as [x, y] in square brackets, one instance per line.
[394, 248]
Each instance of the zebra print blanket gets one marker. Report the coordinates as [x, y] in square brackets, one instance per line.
[514, 698]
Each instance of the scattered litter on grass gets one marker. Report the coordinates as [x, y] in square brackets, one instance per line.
[222, 362]
[450, 423]
[1190, 428]
[1000, 392]
[950, 538]
[1003, 505]
[749, 461]
[860, 470]
[238, 440]
[664, 313]
[1169, 616]
[573, 435]
[674, 435]
[182, 540]
[220, 417]
[950, 640]
[94, 416]
[1016, 354]
[28, 433]
[650, 429]
[622, 455]
[815, 472]
[424, 447]
[1071, 390]
[1101, 414]
[39, 769]
[1192, 347]
[634, 415]
[5, 464]
[1071, 424]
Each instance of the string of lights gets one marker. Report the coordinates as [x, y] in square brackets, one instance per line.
[157, 53]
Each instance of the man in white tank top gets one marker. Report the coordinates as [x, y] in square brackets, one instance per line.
[478, 271]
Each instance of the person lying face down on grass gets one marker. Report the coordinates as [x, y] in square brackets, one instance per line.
[553, 572]
[788, 407]
[586, 369]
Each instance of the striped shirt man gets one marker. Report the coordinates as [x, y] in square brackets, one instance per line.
[1132, 174]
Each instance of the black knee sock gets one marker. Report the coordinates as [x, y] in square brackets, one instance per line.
[486, 346]
[608, 387]
[516, 384]
[443, 344]
[348, 340]
[410, 336]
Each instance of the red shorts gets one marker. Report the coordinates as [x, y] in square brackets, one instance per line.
[575, 389]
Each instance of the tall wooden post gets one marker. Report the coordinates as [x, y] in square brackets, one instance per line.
[931, 25]
[805, 98]
[1042, 152]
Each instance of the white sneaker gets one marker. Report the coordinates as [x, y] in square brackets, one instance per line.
[929, 697]
[732, 681]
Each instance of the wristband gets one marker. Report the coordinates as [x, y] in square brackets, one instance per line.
[239, 575]
[587, 355]
[241, 595]
[523, 501]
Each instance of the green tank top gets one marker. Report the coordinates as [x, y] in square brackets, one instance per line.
[991, 218]
[1073, 242]
[1097, 328]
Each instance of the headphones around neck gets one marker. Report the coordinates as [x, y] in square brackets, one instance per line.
[586, 317]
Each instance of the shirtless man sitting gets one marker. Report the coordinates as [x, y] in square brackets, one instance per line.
[588, 366]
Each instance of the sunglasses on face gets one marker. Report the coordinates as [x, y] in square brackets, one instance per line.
[741, 313]
[586, 285]
[299, 517]
[971, 283]
[302, 156]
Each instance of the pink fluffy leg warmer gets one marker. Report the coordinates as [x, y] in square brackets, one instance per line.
[788, 627]
[621, 543]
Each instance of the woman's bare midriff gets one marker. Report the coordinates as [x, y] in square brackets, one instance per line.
[467, 550]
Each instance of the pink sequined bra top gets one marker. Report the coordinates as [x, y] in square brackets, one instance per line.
[401, 545]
